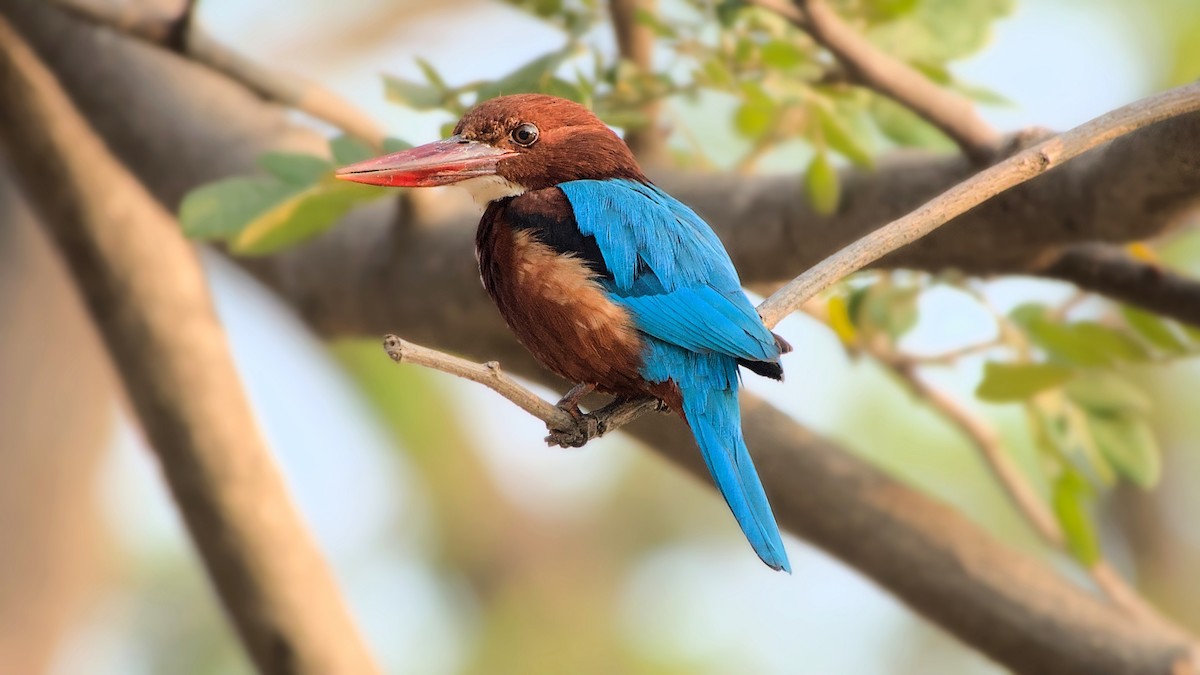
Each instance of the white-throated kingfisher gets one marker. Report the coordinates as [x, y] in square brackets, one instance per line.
[610, 282]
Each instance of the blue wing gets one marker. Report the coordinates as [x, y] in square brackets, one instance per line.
[669, 269]
[671, 272]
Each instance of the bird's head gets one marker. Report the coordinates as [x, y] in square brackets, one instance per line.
[506, 146]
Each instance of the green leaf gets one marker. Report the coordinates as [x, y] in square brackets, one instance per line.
[1156, 331]
[431, 74]
[883, 306]
[1071, 494]
[561, 88]
[1106, 393]
[1128, 442]
[653, 22]
[391, 145]
[1084, 343]
[839, 137]
[412, 94]
[756, 115]
[294, 168]
[782, 54]
[715, 73]
[534, 76]
[1003, 382]
[904, 127]
[982, 94]
[347, 149]
[221, 209]
[888, 10]
[301, 216]
[727, 12]
[937, 31]
[821, 185]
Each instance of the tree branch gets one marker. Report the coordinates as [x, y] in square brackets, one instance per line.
[180, 34]
[868, 65]
[144, 287]
[1110, 271]
[565, 431]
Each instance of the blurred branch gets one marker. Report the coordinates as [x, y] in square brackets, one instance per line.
[52, 361]
[870, 66]
[987, 443]
[565, 430]
[1110, 271]
[146, 291]
[635, 43]
[179, 33]
[1019, 168]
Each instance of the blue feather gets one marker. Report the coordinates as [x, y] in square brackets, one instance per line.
[669, 268]
[673, 275]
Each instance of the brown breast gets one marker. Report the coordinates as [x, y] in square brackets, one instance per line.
[554, 305]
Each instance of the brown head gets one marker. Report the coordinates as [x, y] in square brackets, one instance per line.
[508, 145]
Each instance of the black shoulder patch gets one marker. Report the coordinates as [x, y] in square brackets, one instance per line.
[548, 214]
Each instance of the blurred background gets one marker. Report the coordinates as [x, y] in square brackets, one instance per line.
[463, 545]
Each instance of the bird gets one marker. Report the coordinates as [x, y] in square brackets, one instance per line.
[606, 279]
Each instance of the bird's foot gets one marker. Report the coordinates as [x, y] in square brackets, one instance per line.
[585, 427]
[570, 403]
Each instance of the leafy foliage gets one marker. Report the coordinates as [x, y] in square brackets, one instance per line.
[298, 198]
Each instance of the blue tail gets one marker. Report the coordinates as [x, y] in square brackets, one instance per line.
[716, 423]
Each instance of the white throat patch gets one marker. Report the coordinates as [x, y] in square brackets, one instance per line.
[487, 189]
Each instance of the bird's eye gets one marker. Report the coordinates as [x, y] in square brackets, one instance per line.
[525, 135]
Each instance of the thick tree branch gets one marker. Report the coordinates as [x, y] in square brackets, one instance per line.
[179, 33]
[144, 287]
[362, 278]
[1109, 270]
[870, 66]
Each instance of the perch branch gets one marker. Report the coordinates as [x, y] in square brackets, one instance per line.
[954, 115]
[144, 286]
[179, 33]
[565, 430]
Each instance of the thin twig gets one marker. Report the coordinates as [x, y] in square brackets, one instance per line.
[181, 34]
[870, 66]
[565, 430]
[987, 442]
[977, 189]
[950, 356]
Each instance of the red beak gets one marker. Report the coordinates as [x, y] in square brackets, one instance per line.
[442, 163]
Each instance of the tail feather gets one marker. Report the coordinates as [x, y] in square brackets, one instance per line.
[716, 423]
